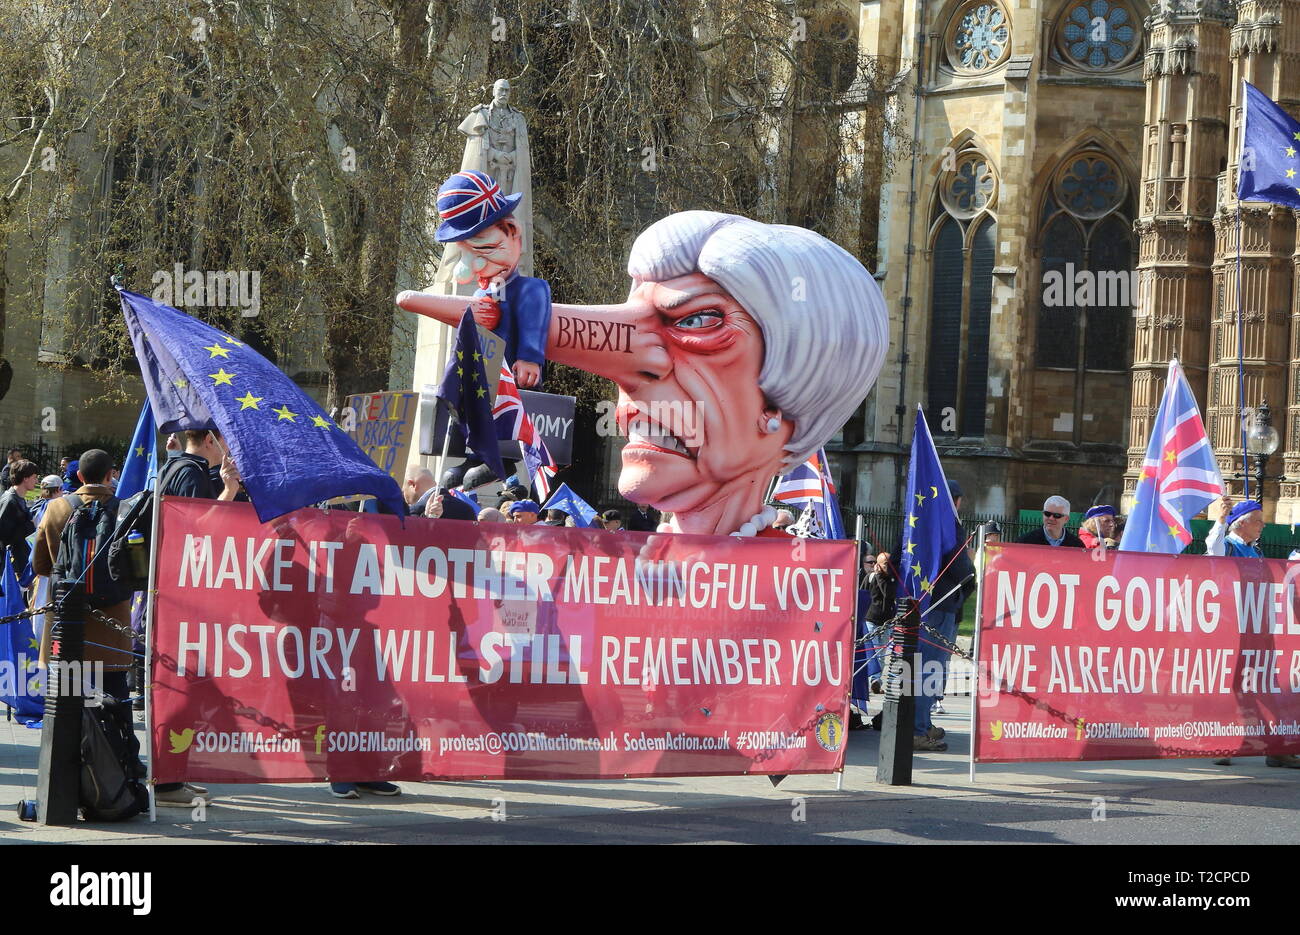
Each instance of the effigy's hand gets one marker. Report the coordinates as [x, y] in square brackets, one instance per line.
[527, 374]
[486, 312]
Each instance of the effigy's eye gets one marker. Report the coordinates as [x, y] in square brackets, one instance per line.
[697, 320]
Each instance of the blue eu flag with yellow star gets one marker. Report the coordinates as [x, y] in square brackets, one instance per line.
[1270, 152]
[466, 390]
[289, 453]
[141, 464]
[930, 528]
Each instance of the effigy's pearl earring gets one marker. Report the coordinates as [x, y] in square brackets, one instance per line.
[773, 424]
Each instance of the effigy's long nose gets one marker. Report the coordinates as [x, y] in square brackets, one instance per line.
[613, 341]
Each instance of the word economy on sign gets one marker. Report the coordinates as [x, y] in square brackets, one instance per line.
[249, 564]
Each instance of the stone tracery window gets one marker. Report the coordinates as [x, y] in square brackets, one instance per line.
[1099, 35]
[979, 37]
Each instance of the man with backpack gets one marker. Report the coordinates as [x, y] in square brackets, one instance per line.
[104, 645]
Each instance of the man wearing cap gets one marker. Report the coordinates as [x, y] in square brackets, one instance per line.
[523, 512]
[1099, 528]
[49, 490]
[1056, 510]
[476, 215]
[1236, 529]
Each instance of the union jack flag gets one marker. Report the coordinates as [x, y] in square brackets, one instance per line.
[810, 486]
[513, 423]
[1179, 474]
[473, 190]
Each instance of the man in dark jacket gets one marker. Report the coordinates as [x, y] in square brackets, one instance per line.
[643, 519]
[15, 517]
[1056, 511]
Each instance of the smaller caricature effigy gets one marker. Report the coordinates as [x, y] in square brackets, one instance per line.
[478, 217]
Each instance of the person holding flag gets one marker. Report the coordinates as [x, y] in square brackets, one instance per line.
[935, 569]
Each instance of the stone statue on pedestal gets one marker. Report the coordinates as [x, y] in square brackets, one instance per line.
[497, 144]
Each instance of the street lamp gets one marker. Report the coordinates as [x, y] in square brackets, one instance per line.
[1261, 441]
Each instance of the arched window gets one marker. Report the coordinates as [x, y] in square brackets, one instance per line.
[978, 37]
[1087, 265]
[963, 248]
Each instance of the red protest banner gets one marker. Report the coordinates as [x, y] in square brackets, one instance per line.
[342, 645]
[1121, 655]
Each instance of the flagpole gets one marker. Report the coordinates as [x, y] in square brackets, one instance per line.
[446, 446]
[1241, 366]
[150, 609]
[975, 647]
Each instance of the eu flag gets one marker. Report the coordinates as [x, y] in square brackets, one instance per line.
[568, 501]
[22, 688]
[287, 450]
[465, 389]
[930, 531]
[1269, 167]
[141, 465]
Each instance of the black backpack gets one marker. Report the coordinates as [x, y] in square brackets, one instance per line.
[83, 551]
[135, 515]
[110, 764]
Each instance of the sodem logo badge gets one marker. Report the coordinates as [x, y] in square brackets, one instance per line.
[181, 740]
[830, 731]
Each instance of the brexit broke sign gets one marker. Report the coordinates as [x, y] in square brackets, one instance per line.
[385, 425]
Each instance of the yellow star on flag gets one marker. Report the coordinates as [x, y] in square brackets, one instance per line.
[216, 350]
[911, 519]
[477, 357]
[320, 422]
[1171, 457]
[920, 498]
[910, 547]
[481, 392]
[32, 644]
[249, 401]
[284, 413]
[221, 377]
[460, 355]
[1290, 173]
[230, 340]
[460, 371]
[180, 383]
[1290, 151]
[927, 586]
[1175, 529]
[916, 569]
[1296, 135]
[139, 451]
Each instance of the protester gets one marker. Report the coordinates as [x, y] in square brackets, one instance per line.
[189, 475]
[105, 646]
[555, 518]
[1056, 511]
[523, 512]
[611, 520]
[416, 488]
[6, 481]
[1099, 528]
[491, 515]
[1236, 530]
[49, 490]
[70, 479]
[882, 588]
[644, 518]
[15, 517]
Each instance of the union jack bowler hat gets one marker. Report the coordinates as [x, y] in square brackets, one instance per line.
[469, 202]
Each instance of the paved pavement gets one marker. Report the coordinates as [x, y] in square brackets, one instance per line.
[1165, 802]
